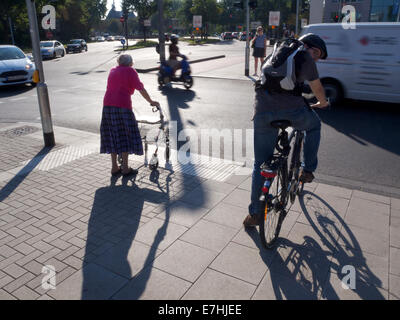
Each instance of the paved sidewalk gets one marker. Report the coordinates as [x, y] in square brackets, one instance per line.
[177, 233]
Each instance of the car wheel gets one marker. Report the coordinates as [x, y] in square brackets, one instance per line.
[63, 54]
[333, 91]
[80, 50]
[86, 48]
[54, 55]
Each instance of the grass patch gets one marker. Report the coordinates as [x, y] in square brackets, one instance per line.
[139, 45]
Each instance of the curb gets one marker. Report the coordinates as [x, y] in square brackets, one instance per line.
[191, 62]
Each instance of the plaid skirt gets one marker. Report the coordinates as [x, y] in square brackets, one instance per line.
[119, 131]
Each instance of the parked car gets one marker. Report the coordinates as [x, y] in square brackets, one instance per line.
[76, 45]
[51, 49]
[100, 39]
[227, 36]
[110, 38]
[235, 35]
[15, 66]
[242, 36]
[362, 63]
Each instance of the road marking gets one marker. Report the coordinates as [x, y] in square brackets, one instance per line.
[17, 99]
[59, 90]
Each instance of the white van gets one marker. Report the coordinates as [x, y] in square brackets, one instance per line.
[362, 63]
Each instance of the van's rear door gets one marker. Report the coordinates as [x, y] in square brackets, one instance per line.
[377, 63]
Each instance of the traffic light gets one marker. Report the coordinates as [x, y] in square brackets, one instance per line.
[253, 4]
[238, 4]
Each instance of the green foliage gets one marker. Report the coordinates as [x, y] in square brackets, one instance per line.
[75, 18]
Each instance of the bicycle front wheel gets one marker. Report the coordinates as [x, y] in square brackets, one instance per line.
[274, 211]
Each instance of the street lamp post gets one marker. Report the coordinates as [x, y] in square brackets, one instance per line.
[42, 92]
[297, 17]
[11, 30]
[247, 54]
[161, 38]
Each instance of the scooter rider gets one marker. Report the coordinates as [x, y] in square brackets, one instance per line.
[174, 53]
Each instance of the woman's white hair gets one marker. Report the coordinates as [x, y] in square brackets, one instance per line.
[125, 60]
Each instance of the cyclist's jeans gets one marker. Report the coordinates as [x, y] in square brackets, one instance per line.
[265, 139]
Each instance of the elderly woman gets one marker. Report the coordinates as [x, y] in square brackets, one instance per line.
[119, 130]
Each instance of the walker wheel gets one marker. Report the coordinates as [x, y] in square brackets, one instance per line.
[153, 166]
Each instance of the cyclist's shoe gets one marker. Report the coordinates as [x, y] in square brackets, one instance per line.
[306, 176]
[251, 221]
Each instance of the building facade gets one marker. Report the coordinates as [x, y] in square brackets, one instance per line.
[366, 10]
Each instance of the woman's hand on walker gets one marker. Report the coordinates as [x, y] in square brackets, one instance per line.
[155, 104]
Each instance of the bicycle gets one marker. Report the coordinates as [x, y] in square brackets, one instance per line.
[281, 182]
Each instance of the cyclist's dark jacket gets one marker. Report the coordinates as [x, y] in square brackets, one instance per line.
[306, 70]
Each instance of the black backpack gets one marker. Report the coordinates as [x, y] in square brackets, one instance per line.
[279, 70]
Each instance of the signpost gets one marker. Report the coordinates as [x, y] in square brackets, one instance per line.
[197, 21]
[255, 24]
[247, 52]
[161, 37]
[274, 17]
[42, 92]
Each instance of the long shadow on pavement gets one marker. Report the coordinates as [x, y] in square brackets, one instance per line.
[308, 269]
[23, 173]
[116, 214]
[114, 221]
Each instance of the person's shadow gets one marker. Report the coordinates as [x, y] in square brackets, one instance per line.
[114, 220]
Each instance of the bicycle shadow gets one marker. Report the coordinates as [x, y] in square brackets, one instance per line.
[311, 268]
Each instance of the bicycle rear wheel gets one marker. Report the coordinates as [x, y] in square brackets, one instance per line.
[274, 210]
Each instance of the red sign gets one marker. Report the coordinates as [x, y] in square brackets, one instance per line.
[49, 35]
[121, 19]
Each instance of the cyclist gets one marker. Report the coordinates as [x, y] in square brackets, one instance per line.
[283, 106]
[174, 53]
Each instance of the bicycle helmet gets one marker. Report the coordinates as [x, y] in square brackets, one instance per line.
[174, 38]
[314, 41]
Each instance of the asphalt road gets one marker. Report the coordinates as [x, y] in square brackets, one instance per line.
[360, 140]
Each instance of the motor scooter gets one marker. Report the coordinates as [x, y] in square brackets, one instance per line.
[165, 75]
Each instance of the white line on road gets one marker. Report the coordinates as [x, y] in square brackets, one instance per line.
[59, 90]
[17, 99]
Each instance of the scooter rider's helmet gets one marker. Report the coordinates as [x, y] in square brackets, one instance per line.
[314, 41]
[174, 38]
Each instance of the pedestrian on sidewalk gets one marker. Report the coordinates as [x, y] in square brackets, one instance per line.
[259, 45]
[119, 130]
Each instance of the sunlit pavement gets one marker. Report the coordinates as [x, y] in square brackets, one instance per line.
[174, 234]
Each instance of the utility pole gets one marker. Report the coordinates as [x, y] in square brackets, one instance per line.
[246, 68]
[161, 38]
[297, 18]
[11, 30]
[42, 92]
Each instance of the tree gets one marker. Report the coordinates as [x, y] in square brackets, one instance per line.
[209, 10]
[144, 9]
[74, 18]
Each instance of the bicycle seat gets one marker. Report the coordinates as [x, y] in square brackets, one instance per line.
[281, 124]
